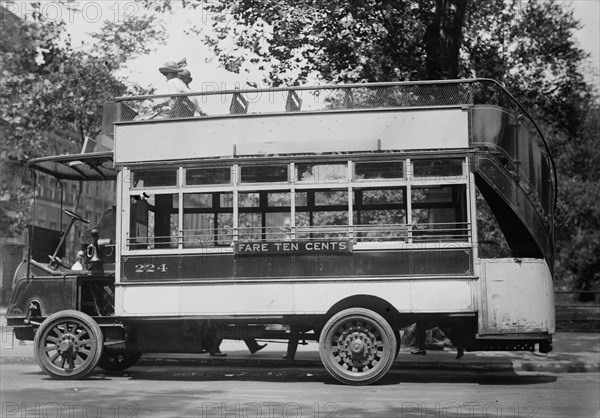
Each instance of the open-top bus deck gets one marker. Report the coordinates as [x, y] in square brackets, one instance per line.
[336, 213]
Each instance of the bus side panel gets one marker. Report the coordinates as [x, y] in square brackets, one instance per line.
[517, 297]
[266, 298]
[355, 131]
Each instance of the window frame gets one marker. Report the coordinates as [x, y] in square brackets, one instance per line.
[293, 186]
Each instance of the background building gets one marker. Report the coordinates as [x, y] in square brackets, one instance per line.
[87, 199]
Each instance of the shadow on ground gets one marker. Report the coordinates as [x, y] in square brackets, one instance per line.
[394, 377]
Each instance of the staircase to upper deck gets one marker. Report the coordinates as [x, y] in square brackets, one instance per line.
[514, 171]
[510, 159]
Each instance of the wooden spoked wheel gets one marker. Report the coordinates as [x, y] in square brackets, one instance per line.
[68, 345]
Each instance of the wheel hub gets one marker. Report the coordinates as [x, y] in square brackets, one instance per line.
[67, 344]
[357, 347]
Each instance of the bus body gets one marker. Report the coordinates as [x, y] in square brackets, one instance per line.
[336, 213]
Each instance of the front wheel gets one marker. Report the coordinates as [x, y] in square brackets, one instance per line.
[357, 346]
[68, 345]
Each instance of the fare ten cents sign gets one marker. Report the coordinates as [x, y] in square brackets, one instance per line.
[293, 247]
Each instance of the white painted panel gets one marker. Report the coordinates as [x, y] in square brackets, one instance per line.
[236, 299]
[441, 295]
[318, 132]
[518, 296]
[150, 300]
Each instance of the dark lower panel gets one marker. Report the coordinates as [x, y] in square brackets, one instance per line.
[440, 261]
[177, 267]
[432, 261]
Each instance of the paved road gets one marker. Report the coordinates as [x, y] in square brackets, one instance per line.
[171, 390]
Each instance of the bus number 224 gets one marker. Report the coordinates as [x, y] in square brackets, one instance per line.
[150, 268]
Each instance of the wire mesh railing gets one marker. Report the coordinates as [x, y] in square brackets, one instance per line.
[314, 99]
[300, 99]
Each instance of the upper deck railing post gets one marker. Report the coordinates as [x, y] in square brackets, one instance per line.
[348, 98]
[293, 102]
[239, 105]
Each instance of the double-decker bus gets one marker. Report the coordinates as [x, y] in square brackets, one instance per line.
[339, 214]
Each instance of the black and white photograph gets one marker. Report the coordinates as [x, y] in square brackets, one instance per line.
[300, 208]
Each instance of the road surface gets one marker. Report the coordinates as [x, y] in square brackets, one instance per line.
[169, 389]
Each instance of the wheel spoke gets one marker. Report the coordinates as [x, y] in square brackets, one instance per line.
[56, 330]
[86, 342]
[84, 351]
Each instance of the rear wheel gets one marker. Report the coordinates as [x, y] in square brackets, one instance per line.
[68, 345]
[398, 342]
[357, 346]
[116, 362]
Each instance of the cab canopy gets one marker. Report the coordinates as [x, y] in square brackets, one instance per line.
[96, 166]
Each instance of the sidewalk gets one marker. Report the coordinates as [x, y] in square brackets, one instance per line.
[573, 353]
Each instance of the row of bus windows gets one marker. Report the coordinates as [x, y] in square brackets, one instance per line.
[299, 172]
[438, 213]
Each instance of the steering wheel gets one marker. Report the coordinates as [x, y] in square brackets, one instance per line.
[75, 216]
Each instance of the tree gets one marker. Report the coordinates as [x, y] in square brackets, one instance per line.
[529, 46]
[51, 89]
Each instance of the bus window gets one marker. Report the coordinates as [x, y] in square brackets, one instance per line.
[380, 214]
[250, 216]
[209, 175]
[439, 213]
[278, 216]
[207, 219]
[153, 178]
[264, 215]
[154, 222]
[379, 170]
[264, 174]
[321, 173]
[325, 211]
[446, 167]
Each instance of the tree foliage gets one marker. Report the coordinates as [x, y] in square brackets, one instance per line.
[52, 90]
[529, 46]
